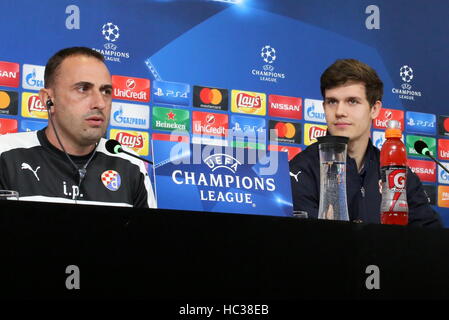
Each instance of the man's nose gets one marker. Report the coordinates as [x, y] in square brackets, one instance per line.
[98, 100]
[340, 110]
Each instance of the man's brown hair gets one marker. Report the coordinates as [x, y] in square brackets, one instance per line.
[55, 61]
[344, 70]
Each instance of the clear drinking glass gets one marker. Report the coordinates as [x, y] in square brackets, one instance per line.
[9, 195]
[333, 204]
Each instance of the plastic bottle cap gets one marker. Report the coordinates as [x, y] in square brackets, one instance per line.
[393, 130]
[393, 133]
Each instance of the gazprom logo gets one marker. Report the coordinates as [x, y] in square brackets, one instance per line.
[33, 77]
[378, 139]
[314, 110]
[443, 176]
[130, 115]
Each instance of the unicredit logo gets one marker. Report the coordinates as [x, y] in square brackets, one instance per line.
[130, 84]
[388, 114]
[130, 140]
[209, 129]
[316, 132]
[35, 104]
[127, 88]
[210, 119]
[248, 101]
[130, 94]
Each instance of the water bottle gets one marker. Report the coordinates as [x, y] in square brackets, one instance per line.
[393, 163]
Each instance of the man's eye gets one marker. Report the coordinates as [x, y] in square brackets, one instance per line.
[353, 101]
[107, 92]
[82, 88]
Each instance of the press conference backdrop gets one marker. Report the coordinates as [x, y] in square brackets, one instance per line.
[210, 69]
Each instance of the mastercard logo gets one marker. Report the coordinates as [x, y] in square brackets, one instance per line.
[5, 100]
[285, 130]
[211, 96]
[446, 124]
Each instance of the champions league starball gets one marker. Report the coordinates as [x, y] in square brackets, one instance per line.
[268, 54]
[406, 73]
[110, 32]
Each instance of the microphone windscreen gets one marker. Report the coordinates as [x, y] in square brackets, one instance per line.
[421, 147]
[113, 146]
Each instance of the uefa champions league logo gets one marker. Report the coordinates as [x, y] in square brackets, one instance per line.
[268, 54]
[406, 73]
[110, 32]
[406, 92]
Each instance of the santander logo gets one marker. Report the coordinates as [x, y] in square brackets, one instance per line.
[248, 101]
[316, 132]
[130, 140]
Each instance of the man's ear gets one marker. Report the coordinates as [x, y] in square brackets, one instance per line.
[45, 95]
[375, 109]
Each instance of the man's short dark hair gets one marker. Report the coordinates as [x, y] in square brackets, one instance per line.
[344, 70]
[55, 61]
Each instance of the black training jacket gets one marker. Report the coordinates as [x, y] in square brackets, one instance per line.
[31, 165]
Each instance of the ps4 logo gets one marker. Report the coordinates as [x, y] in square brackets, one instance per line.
[421, 123]
[170, 93]
[417, 122]
[247, 128]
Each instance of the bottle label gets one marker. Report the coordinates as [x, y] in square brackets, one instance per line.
[394, 196]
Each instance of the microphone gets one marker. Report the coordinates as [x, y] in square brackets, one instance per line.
[422, 148]
[114, 147]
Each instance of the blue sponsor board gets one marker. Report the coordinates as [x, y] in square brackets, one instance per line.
[421, 123]
[220, 179]
[31, 125]
[172, 93]
[250, 128]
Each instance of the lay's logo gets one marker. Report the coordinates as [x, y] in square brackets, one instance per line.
[130, 140]
[248, 102]
[32, 106]
[136, 140]
[312, 132]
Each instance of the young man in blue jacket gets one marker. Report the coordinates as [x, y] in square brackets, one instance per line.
[352, 93]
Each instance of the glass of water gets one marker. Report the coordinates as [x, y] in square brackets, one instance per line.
[9, 195]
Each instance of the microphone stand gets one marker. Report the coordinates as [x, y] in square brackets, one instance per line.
[438, 162]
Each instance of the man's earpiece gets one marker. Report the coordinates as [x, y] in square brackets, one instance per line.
[49, 103]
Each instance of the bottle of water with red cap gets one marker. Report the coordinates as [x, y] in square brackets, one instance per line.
[393, 164]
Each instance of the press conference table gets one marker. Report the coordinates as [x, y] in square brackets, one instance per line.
[162, 254]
